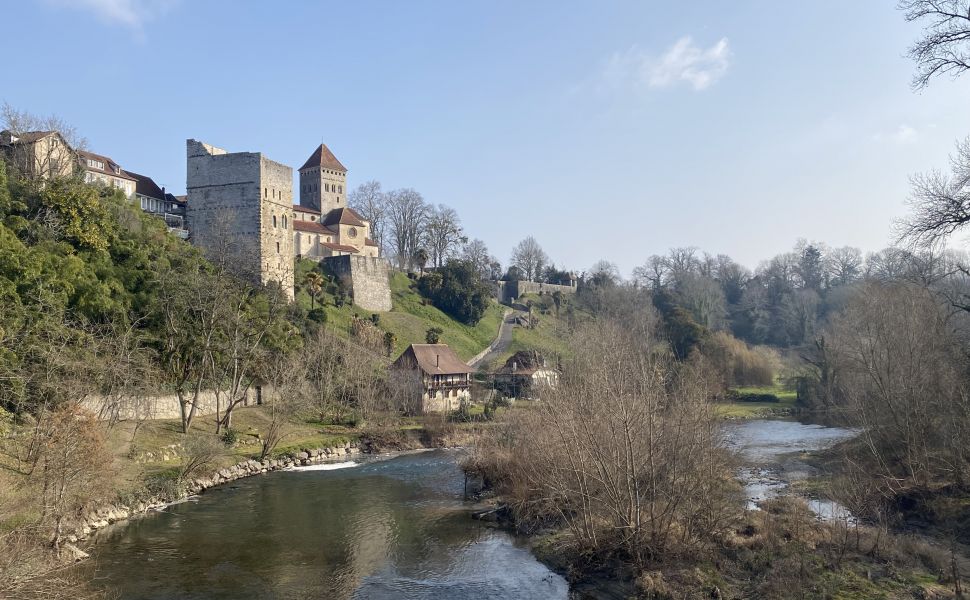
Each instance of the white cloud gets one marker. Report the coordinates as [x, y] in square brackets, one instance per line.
[129, 13]
[682, 63]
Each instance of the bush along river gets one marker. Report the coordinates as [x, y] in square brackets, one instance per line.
[376, 527]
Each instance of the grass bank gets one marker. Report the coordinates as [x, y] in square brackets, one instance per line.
[739, 408]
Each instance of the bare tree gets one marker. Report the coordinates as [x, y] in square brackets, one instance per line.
[443, 234]
[652, 273]
[844, 265]
[530, 258]
[47, 145]
[407, 214]
[371, 202]
[939, 203]
[903, 374]
[625, 452]
[945, 45]
[476, 254]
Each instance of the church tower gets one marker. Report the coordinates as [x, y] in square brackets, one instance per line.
[323, 181]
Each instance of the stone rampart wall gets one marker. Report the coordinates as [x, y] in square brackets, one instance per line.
[366, 277]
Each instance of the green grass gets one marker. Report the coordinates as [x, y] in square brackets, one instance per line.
[550, 337]
[410, 319]
[754, 410]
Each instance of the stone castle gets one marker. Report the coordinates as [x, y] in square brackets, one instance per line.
[240, 210]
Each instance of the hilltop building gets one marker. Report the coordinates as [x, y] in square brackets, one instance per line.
[38, 154]
[436, 379]
[239, 210]
[103, 170]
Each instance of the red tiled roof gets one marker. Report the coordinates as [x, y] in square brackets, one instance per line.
[339, 247]
[323, 157]
[108, 165]
[312, 227]
[344, 216]
[306, 209]
[370, 242]
[433, 359]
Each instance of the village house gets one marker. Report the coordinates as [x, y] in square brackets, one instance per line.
[525, 375]
[439, 380]
[38, 154]
[101, 169]
[156, 201]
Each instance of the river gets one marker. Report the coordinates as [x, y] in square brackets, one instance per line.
[386, 528]
[378, 528]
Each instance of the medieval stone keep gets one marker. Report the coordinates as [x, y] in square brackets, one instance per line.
[241, 211]
[240, 207]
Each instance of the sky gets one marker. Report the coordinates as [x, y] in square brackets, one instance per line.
[606, 130]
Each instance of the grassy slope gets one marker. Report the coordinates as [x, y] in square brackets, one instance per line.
[754, 410]
[550, 336]
[409, 320]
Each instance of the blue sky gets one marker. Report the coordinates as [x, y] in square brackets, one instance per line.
[607, 130]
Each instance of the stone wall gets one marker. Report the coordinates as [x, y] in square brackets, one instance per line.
[162, 406]
[507, 291]
[366, 277]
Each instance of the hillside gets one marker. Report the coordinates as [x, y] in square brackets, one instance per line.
[410, 318]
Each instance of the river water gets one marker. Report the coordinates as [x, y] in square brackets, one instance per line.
[379, 528]
[391, 528]
[769, 450]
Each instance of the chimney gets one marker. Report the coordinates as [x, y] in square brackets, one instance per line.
[437, 357]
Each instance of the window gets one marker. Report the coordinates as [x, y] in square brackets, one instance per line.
[277, 247]
[274, 222]
[284, 221]
[340, 189]
[265, 192]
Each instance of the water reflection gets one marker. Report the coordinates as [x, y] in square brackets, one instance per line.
[384, 529]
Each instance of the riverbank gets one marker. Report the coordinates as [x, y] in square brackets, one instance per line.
[786, 542]
[159, 463]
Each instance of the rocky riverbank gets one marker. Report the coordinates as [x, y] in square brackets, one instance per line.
[108, 514]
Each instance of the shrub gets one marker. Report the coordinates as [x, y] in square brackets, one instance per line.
[457, 290]
[317, 315]
[230, 436]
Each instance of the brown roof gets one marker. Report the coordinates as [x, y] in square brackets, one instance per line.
[109, 165]
[180, 199]
[339, 247]
[312, 227]
[28, 136]
[323, 157]
[433, 359]
[524, 362]
[145, 186]
[344, 216]
[306, 209]
[369, 242]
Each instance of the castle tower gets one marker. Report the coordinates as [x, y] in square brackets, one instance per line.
[239, 211]
[323, 181]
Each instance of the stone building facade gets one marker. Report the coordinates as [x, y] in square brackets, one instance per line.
[239, 209]
[323, 181]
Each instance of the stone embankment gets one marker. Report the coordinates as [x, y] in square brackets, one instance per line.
[106, 515]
